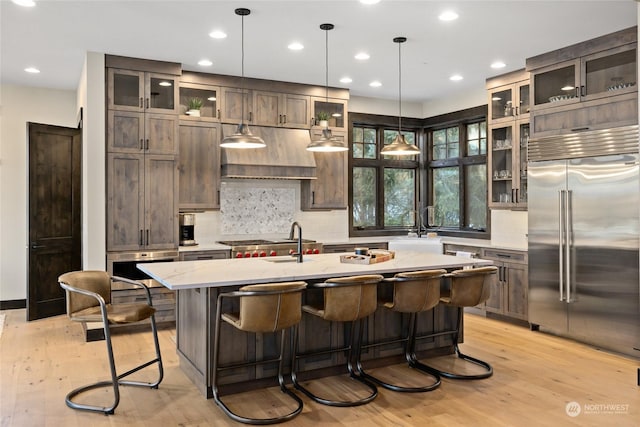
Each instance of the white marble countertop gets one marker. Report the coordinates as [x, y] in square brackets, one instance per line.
[481, 243]
[229, 272]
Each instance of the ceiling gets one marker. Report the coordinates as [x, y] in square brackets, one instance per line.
[55, 34]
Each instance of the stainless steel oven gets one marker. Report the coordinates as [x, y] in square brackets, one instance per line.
[123, 264]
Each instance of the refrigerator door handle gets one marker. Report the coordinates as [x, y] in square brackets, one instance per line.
[569, 243]
[561, 244]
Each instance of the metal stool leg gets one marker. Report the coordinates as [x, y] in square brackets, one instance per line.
[353, 349]
[116, 380]
[411, 360]
[216, 394]
[451, 375]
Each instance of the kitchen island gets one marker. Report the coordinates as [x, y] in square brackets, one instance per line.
[198, 284]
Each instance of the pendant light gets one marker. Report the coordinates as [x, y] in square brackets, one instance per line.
[327, 143]
[399, 146]
[242, 138]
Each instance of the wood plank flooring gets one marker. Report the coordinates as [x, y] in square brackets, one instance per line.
[536, 376]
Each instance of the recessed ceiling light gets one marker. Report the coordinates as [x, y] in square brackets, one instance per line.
[25, 3]
[205, 63]
[369, 1]
[448, 15]
[362, 56]
[375, 83]
[217, 34]
[455, 78]
[165, 83]
[498, 64]
[32, 70]
[346, 80]
[296, 46]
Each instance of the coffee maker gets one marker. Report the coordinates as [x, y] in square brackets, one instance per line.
[187, 224]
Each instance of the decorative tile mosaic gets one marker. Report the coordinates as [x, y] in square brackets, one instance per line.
[256, 210]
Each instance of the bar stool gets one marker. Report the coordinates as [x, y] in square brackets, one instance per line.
[413, 293]
[264, 308]
[89, 300]
[346, 299]
[469, 288]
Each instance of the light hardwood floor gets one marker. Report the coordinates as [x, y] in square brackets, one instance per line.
[536, 376]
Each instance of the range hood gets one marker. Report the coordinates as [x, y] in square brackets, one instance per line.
[284, 157]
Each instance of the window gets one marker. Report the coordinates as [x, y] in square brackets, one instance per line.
[383, 188]
[457, 172]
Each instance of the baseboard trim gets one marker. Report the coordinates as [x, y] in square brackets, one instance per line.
[13, 304]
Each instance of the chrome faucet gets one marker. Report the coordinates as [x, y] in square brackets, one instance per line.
[291, 233]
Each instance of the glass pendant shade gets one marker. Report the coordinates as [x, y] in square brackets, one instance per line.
[327, 143]
[242, 138]
[399, 146]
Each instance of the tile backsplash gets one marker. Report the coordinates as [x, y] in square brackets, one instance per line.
[256, 209]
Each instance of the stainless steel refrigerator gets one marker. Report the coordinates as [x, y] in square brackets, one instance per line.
[584, 216]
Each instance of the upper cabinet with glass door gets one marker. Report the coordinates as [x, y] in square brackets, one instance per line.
[199, 102]
[508, 97]
[140, 91]
[586, 86]
[334, 111]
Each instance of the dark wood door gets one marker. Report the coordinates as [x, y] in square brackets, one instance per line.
[55, 242]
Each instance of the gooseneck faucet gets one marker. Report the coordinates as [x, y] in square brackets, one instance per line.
[291, 234]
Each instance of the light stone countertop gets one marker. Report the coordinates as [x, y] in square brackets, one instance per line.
[230, 272]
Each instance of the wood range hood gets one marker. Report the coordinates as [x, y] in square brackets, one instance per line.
[284, 157]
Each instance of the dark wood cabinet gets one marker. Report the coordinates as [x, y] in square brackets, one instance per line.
[141, 202]
[204, 255]
[509, 296]
[587, 86]
[281, 109]
[508, 137]
[131, 132]
[329, 190]
[199, 165]
[231, 105]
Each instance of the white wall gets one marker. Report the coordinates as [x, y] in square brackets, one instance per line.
[20, 105]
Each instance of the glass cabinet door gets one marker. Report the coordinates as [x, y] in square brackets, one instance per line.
[523, 100]
[125, 90]
[199, 101]
[501, 164]
[557, 85]
[332, 110]
[521, 190]
[610, 73]
[501, 103]
[161, 93]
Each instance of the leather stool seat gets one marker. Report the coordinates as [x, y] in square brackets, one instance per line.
[264, 308]
[345, 299]
[413, 293]
[89, 300]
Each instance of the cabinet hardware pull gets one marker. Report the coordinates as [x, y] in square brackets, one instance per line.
[147, 244]
[285, 118]
[250, 116]
[577, 91]
[34, 246]
[580, 129]
[146, 145]
[313, 197]
[513, 195]
[141, 103]
[516, 200]
[140, 241]
[141, 144]
[218, 114]
[147, 102]
[583, 90]
[516, 110]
